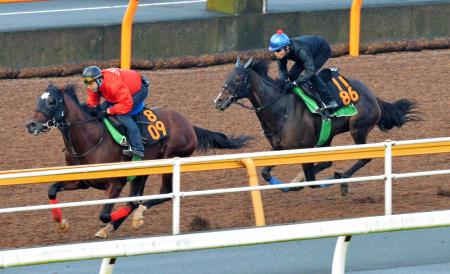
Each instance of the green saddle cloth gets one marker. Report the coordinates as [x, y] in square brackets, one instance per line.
[121, 140]
[325, 129]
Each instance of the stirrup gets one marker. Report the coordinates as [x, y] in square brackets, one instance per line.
[127, 152]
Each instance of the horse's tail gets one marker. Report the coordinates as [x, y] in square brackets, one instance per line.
[207, 140]
[398, 113]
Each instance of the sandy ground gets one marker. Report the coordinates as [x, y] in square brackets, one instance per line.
[421, 76]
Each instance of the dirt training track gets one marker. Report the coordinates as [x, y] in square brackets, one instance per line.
[420, 76]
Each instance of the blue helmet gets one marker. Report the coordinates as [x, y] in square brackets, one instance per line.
[279, 40]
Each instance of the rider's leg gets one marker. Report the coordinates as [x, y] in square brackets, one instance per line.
[321, 57]
[325, 93]
[134, 136]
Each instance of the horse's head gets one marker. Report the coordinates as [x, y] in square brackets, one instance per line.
[49, 111]
[237, 85]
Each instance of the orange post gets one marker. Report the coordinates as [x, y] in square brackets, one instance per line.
[127, 24]
[355, 21]
[258, 209]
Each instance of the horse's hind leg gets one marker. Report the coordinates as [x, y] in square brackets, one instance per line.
[360, 137]
[136, 189]
[53, 190]
[166, 187]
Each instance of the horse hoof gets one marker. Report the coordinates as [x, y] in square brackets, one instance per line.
[338, 175]
[63, 226]
[104, 232]
[137, 223]
[345, 189]
[138, 217]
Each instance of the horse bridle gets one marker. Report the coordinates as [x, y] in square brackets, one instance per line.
[244, 88]
[64, 127]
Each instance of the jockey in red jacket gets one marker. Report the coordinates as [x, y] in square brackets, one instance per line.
[122, 90]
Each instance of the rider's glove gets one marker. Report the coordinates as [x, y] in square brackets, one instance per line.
[290, 85]
[102, 114]
[93, 111]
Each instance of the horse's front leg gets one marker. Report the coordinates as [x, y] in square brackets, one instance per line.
[266, 173]
[113, 191]
[272, 179]
[53, 190]
[300, 177]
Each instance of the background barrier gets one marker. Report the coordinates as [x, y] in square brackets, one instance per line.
[218, 33]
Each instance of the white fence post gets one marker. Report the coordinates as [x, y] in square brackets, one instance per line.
[340, 254]
[176, 196]
[107, 266]
[388, 180]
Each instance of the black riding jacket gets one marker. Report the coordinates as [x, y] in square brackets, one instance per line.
[302, 49]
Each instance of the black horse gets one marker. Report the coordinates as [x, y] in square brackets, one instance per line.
[87, 141]
[288, 124]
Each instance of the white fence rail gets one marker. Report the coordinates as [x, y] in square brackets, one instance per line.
[235, 237]
[204, 240]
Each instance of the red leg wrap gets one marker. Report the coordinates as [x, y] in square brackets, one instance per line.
[56, 212]
[120, 213]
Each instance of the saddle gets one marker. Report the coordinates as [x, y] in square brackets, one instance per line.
[151, 127]
[340, 89]
[335, 82]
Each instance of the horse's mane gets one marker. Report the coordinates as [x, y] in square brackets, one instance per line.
[71, 91]
[261, 66]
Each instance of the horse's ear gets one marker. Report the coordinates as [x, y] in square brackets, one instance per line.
[51, 86]
[238, 61]
[249, 62]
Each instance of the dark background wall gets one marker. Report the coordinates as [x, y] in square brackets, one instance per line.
[219, 34]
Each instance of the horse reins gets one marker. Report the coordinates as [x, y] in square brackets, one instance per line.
[65, 129]
[232, 99]
[258, 109]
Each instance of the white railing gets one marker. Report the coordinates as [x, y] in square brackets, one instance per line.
[204, 240]
[323, 229]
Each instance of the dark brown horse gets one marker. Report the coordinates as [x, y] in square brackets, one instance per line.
[288, 124]
[87, 141]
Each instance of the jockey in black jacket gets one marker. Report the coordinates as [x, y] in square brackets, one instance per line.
[309, 54]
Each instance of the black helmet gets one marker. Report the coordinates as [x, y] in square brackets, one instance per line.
[92, 73]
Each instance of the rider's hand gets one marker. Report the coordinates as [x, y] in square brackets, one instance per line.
[93, 111]
[290, 85]
[102, 114]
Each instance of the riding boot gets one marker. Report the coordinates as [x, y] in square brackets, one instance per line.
[324, 92]
[328, 100]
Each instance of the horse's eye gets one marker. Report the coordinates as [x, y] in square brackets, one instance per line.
[51, 101]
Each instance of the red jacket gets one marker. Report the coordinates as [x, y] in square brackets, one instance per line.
[117, 88]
